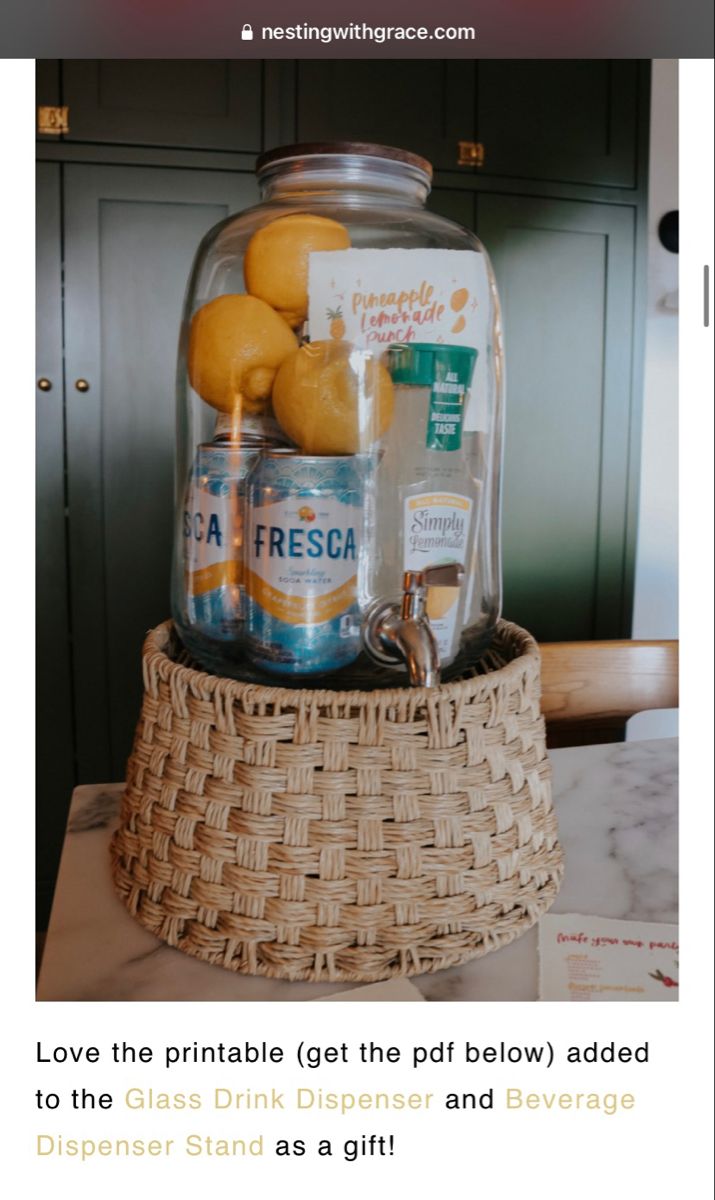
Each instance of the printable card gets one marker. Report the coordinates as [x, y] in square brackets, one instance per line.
[595, 958]
[375, 298]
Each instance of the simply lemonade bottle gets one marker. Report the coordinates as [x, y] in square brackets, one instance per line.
[437, 496]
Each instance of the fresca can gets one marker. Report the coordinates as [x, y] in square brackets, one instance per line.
[213, 530]
[301, 561]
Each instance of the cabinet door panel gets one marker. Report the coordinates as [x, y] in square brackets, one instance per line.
[55, 732]
[573, 121]
[130, 239]
[425, 106]
[565, 274]
[203, 103]
[454, 204]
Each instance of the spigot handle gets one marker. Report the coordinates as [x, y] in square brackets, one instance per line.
[416, 583]
[443, 575]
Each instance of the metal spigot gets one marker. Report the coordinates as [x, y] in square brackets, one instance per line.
[402, 632]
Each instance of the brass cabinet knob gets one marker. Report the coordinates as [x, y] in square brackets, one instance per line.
[45, 385]
[81, 385]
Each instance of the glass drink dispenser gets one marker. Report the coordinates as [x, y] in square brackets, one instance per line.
[339, 431]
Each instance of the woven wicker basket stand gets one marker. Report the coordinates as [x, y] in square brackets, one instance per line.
[324, 835]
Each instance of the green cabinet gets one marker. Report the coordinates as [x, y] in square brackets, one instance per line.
[563, 121]
[208, 103]
[54, 693]
[571, 122]
[130, 236]
[566, 274]
[423, 105]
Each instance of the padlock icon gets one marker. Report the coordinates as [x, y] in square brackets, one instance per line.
[247, 33]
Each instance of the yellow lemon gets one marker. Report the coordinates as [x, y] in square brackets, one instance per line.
[276, 262]
[332, 399]
[236, 345]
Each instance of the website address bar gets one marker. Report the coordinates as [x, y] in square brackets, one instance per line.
[354, 31]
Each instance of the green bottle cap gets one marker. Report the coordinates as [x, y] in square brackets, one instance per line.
[447, 371]
[420, 363]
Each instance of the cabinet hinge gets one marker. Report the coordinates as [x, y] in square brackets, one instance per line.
[470, 154]
[53, 120]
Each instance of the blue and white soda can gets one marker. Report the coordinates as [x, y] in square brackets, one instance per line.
[213, 527]
[302, 560]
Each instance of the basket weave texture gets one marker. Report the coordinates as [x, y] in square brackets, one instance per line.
[324, 835]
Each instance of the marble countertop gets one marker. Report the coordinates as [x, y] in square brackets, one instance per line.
[617, 813]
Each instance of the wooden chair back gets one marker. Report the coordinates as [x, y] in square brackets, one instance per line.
[590, 689]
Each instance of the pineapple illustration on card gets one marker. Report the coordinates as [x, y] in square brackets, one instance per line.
[336, 327]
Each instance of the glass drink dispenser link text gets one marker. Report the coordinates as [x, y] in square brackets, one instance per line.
[339, 431]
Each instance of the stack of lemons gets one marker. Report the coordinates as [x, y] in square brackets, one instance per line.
[244, 352]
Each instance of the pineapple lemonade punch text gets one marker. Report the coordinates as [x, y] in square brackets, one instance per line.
[392, 316]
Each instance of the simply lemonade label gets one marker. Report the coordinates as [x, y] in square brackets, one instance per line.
[436, 530]
[376, 298]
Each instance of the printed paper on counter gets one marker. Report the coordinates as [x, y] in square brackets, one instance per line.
[596, 958]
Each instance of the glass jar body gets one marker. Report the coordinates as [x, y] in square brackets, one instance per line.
[220, 470]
